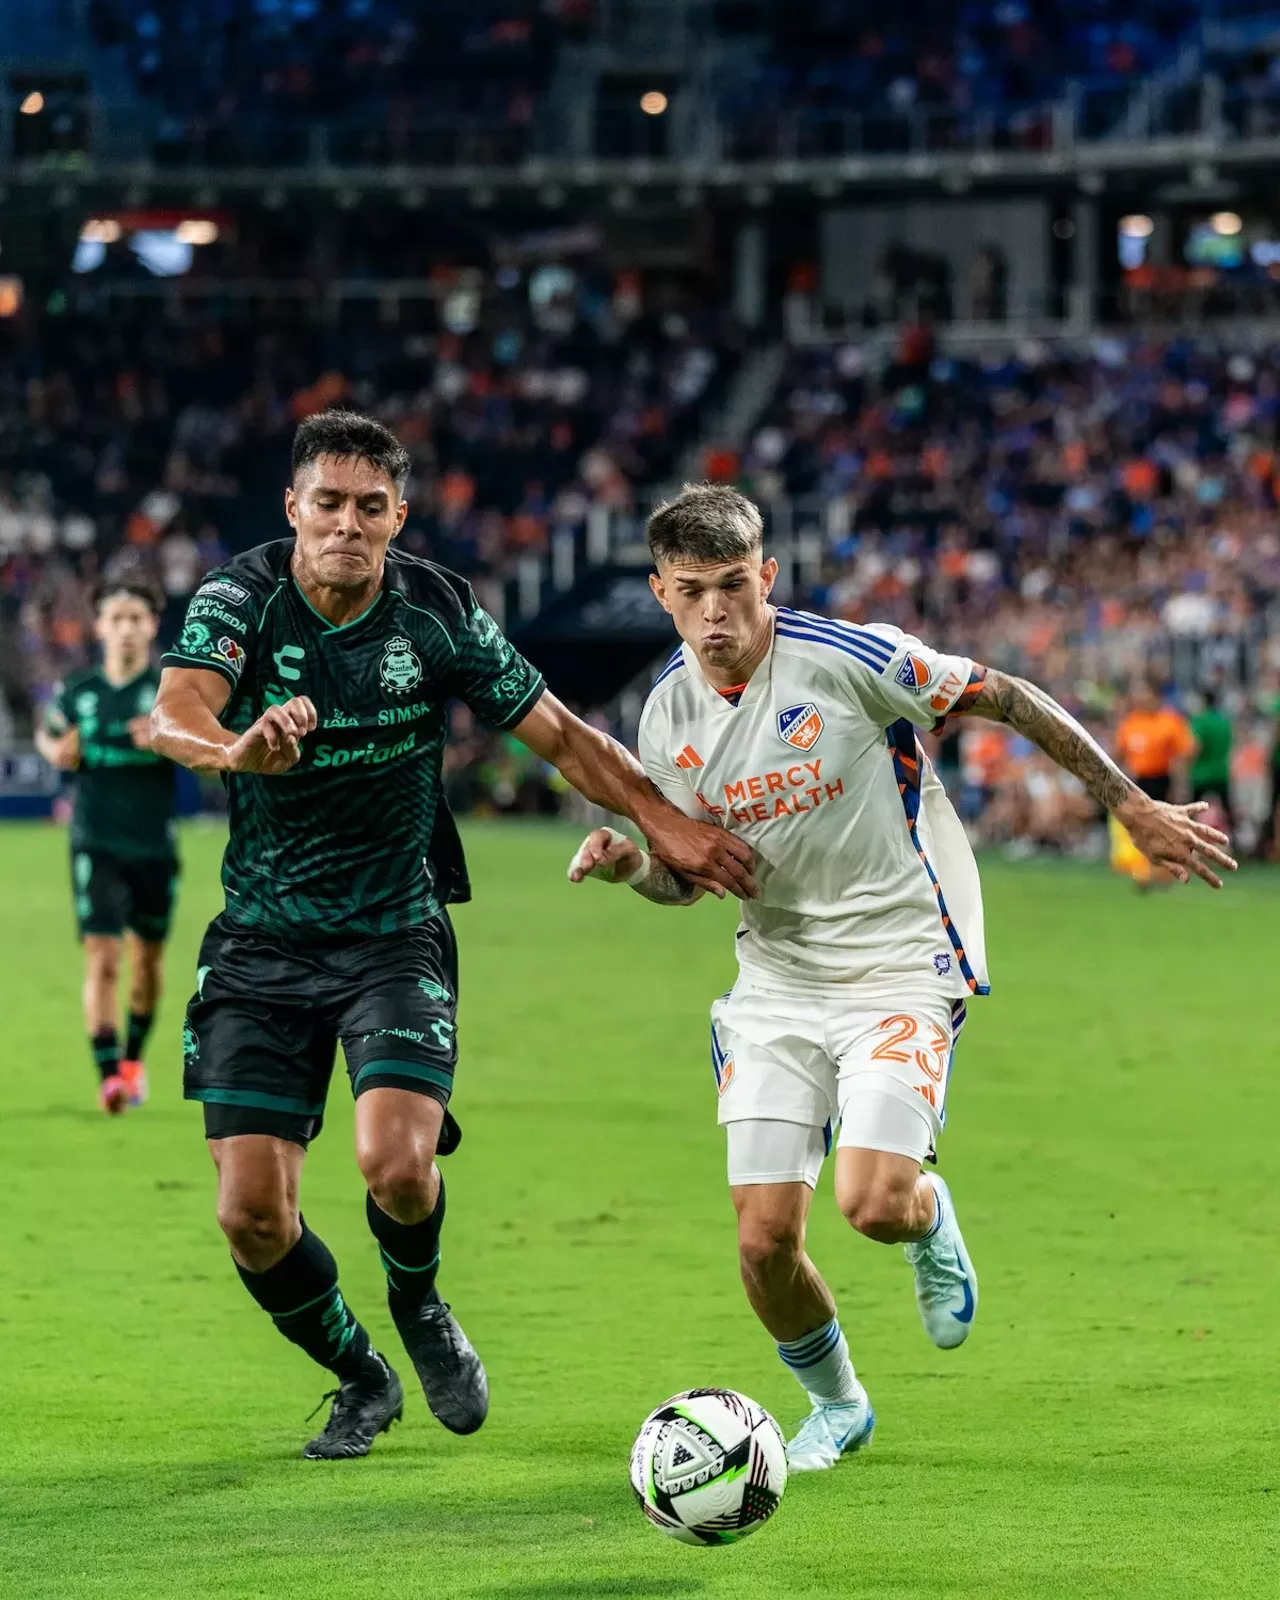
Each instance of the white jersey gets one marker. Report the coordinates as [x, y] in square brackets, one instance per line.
[865, 872]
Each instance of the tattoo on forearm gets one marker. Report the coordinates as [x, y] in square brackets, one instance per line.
[1039, 717]
[665, 887]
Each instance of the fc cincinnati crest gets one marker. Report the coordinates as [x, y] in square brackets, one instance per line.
[913, 673]
[800, 726]
[401, 669]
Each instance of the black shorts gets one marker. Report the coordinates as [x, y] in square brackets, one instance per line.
[1157, 788]
[113, 893]
[263, 1026]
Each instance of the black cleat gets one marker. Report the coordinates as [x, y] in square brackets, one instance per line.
[453, 1377]
[362, 1409]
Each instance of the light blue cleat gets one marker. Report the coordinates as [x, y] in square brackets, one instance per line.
[829, 1432]
[946, 1284]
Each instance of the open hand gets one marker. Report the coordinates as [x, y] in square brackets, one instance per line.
[712, 858]
[1172, 837]
[273, 744]
[607, 854]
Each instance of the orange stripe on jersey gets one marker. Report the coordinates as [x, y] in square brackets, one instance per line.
[688, 759]
[738, 688]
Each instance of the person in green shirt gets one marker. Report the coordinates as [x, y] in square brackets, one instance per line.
[315, 673]
[1211, 767]
[124, 858]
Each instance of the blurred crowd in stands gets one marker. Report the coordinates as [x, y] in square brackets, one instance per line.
[945, 73]
[524, 396]
[1096, 519]
[1099, 518]
[378, 81]
[253, 80]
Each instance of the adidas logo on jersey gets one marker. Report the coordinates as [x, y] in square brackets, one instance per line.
[688, 759]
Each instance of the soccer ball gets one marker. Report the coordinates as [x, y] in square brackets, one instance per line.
[709, 1466]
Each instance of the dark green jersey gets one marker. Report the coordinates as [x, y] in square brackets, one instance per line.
[356, 839]
[124, 797]
[1212, 764]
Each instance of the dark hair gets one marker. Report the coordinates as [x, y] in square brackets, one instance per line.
[139, 585]
[705, 522]
[347, 433]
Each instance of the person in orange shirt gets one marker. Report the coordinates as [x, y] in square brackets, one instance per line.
[1155, 743]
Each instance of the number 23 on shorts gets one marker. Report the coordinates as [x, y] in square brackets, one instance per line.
[903, 1043]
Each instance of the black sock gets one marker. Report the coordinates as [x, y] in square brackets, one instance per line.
[105, 1045]
[301, 1296]
[136, 1038]
[410, 1252]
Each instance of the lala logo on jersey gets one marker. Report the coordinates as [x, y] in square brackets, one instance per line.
[913, 673]
[800, 726]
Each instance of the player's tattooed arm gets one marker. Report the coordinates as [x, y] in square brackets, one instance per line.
[1038, 717]
[666, 887]
[1170, 836]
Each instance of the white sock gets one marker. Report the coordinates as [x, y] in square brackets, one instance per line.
[821, 1364]
[937, 1213]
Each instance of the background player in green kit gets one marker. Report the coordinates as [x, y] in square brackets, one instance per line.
[124, 861]
[316, 673]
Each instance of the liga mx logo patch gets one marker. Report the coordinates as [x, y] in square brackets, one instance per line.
[800, 726]
[913, 673]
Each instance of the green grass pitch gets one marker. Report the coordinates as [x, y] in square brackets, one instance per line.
[1109, 1430]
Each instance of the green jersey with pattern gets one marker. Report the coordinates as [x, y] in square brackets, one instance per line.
[355, 839]
[124, 797]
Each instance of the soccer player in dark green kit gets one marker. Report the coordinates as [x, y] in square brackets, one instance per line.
[315, 673]
[124, 860]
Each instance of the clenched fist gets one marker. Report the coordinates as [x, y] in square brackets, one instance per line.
[274, 743]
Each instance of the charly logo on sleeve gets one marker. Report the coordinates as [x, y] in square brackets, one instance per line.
[401, 670]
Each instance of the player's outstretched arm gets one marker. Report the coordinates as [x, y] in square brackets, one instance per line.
[610, 776]
[611, 856]
[185, 726]
[1169, 836]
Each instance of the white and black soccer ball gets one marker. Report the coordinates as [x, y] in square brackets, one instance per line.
[709, 1466]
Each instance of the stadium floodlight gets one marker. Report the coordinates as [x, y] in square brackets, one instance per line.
[653, 103]
[1137, 226]
[33, 104]
[1225, 222]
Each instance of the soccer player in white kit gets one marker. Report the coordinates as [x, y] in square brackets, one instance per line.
[857, 961]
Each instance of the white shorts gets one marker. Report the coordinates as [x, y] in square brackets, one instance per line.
[790, 1068]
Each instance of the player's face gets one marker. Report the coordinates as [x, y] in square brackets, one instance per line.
[125, 628]
[345, 512]
[720, 609]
